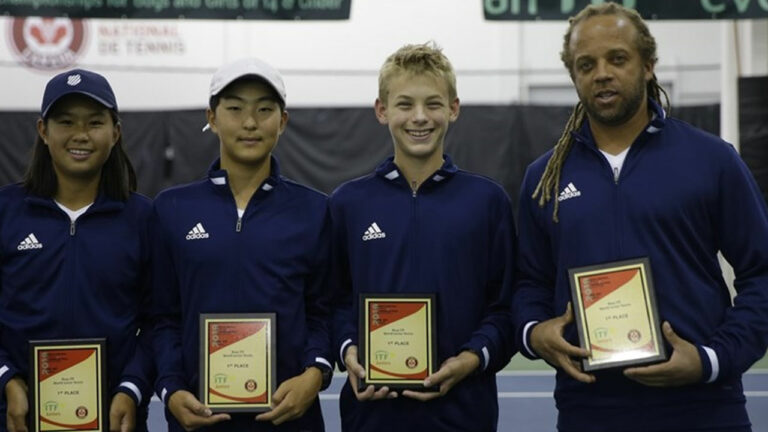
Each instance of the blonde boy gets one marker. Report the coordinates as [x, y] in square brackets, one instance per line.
[446, 232]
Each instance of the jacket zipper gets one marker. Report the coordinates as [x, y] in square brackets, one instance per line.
[72, 258]
[615, 175]
[415, 231]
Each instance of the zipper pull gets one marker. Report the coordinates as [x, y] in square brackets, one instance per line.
[414, 187]
[239, 225]
[72, 228]
[616, 175]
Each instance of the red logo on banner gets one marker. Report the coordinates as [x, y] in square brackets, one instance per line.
[47, 43]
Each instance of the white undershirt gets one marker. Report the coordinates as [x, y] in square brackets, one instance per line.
[616, 161]
[240, 212]
[73, 214]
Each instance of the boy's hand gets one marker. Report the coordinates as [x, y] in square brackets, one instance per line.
[294, 396]
[190, 413]
[355, 372]
[122, 413]
[451, 372]
[17, 405]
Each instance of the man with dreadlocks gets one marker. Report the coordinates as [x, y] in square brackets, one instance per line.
[627, 181]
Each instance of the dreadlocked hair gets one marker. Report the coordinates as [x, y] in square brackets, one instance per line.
[549, 182]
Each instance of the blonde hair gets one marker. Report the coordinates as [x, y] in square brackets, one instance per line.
[646, 45]
[425, 58]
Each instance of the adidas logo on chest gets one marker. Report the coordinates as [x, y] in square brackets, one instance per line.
[373, 232]
[569, 192]
[197, 233]
[30, 242]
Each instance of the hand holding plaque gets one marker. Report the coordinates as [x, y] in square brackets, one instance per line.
[397, 340]
[616, 315]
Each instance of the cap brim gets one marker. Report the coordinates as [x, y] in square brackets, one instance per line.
[250, 75]
[90, 95]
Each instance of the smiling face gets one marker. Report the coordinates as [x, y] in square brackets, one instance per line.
[248, 121]
[417, 110]
[608, 71]
[79, 133]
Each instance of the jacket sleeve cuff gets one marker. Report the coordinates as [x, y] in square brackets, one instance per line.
[343, 352]
[526, 349]
[167, 387]
[326, 369]
[710, 364]
[6, 373]
[480, 348]
[319, 361]
[130, 389]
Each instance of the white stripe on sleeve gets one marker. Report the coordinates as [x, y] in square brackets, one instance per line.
[526, 329]
[341, 351]
[132, 387]
[714, 362]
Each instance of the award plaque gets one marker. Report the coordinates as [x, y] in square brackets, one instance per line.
[237, 361]
[67, 387]
[616, 315]
[397, 340]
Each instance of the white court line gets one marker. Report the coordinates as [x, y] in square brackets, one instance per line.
[543, 395]
[535, 395]
[525, 373]
[526, 395]
[502, 395]
[552, 373]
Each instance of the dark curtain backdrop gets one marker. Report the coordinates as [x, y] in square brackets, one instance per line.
[323, 147]
[753, 127]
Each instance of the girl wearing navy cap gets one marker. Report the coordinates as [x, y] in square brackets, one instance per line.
[73, 251]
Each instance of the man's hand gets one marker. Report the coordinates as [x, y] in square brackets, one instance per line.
[451, 372]
[683, 367]
[547, 341]
[355, 372]
[294, 396]
[122, 413]
[17, 405]
[190, 413]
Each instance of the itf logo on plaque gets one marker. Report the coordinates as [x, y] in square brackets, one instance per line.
[47, 43]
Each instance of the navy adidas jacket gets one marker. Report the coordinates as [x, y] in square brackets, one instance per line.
[454, 238]
[682, 196]
[64, 280]
[208, 260]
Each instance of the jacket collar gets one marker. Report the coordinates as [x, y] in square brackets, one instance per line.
[657, 123]
[390, 172]
[219, 179]
[101, 204]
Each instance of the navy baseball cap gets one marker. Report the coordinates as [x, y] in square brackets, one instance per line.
[78, 81]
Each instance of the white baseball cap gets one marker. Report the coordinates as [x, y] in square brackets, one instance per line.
[243, 68]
